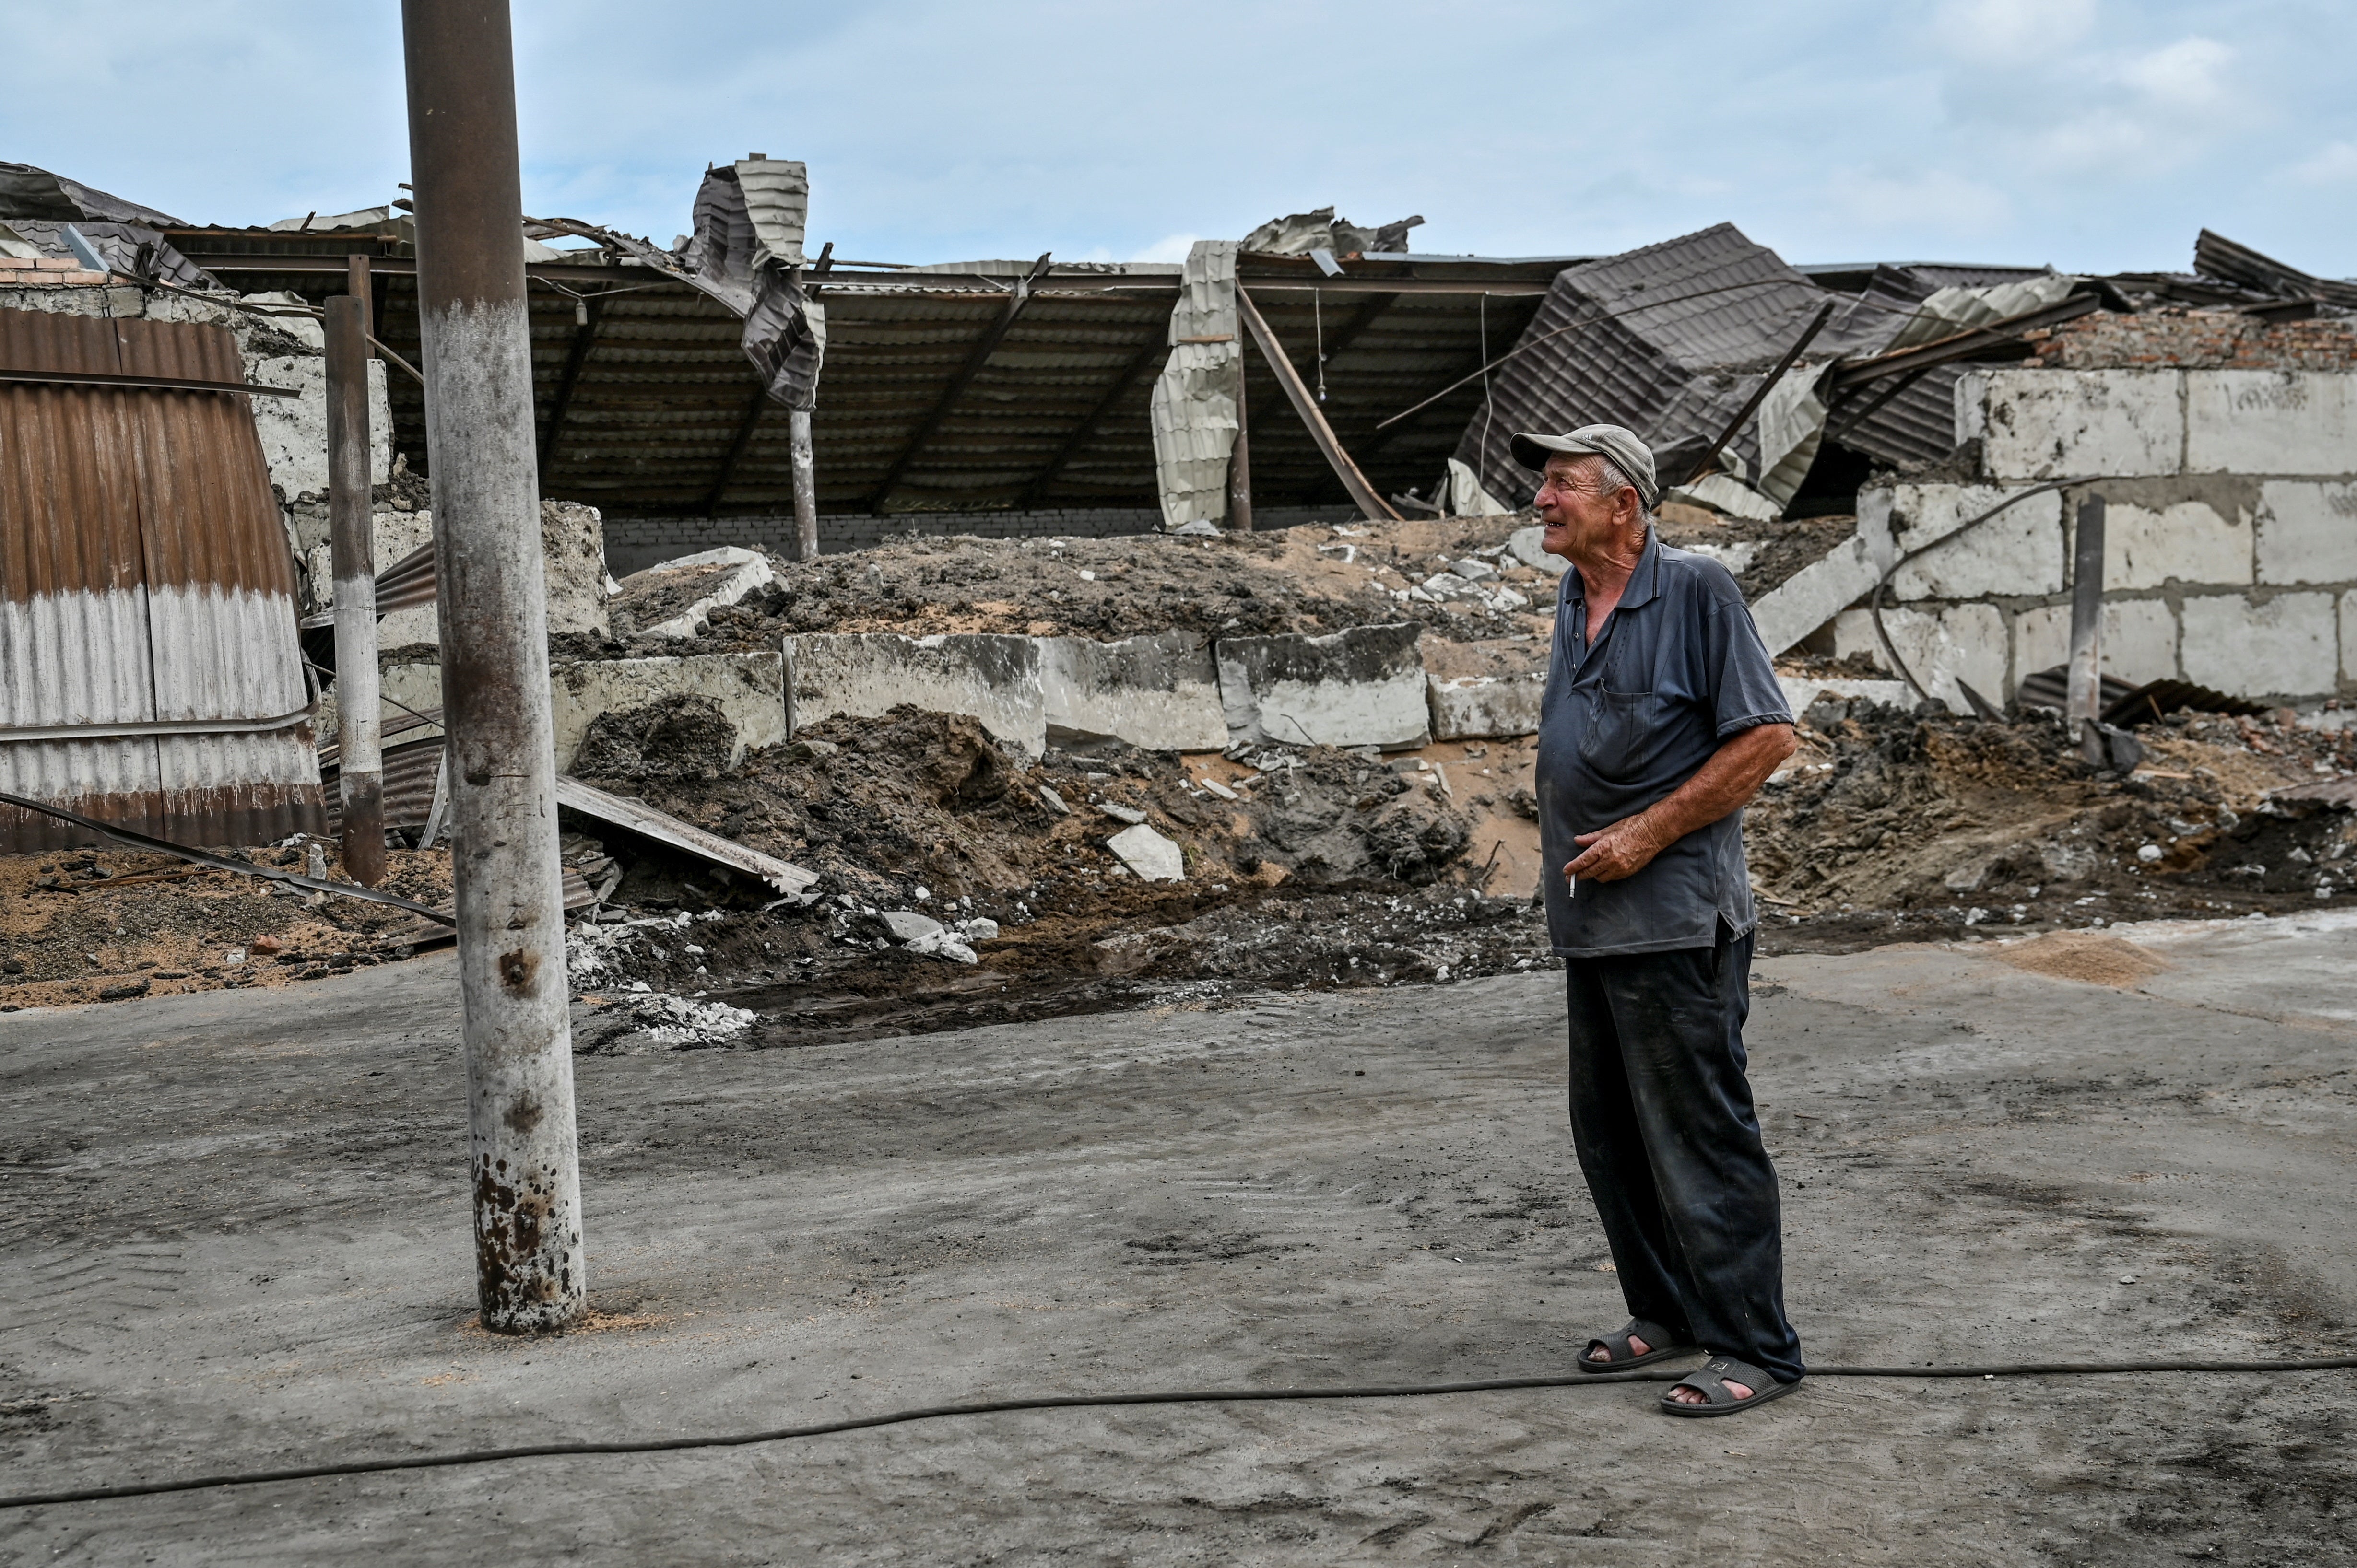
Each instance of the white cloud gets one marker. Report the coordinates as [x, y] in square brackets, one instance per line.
[2186, 74]
[2333, 164]
[1998, 30]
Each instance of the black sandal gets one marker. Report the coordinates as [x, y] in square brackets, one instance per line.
[1619, 1358]
[1719, 1400]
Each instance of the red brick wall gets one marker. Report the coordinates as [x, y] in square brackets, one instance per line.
[2179, 337]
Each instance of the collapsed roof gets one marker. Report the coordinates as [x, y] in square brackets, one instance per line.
[664, 379]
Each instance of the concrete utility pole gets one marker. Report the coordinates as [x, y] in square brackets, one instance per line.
[798, 427]
[472, 311]
[1239, 516]
[2085, 696]
[360, 749]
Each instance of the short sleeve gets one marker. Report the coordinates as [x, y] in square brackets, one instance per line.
[1743, 690]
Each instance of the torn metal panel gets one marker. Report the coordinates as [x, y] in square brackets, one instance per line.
[1193, 411]
[1306, 233]
[1670, 340]
[640, 818]
[746, 252]
[2216, 256]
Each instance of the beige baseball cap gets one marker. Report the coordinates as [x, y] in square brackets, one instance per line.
[1628, 453]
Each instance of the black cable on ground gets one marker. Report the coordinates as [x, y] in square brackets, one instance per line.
[1072, 1402]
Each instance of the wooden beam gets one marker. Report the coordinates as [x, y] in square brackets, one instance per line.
[585, 338]
[737, 447]
[979, 357]
[1145, 356]
[1371, 505]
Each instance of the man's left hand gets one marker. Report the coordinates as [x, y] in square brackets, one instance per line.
[1624, 849]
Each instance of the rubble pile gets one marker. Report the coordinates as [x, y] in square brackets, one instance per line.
[1891, 823]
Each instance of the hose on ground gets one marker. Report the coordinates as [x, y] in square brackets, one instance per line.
[1081, 1401]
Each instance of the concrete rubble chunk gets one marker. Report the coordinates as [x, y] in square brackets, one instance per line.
[1528, 545]
[1363, 686]
[1054, 801]
[908, 925]
[1159, 693]
[1149, 854]
[749, 689]
[993, 679]
[1121, 813]
[716, 577]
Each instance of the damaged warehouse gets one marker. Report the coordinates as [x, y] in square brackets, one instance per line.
[1328, 564]
[1014, 789]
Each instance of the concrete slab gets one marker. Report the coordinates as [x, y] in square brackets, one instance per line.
[1160, 693]
[994, 678]
[1363, 686]
[1963, 643]
[2184, 542]
[1485, 691]
[2138, 641]
[2054, 425]
[1817, 592]
[2284, 647]
[238, 1237]
[2271, 422]
[2018, 552]
[2308, 533]
[750, 689]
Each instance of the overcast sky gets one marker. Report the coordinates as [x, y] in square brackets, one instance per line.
[2093, 135]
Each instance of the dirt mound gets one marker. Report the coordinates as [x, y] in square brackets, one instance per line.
[1892, 825]
[78, 926]
[678, 737]
[1313, 579]
[2091, 956]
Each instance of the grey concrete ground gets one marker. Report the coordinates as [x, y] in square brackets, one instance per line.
[235, 1236]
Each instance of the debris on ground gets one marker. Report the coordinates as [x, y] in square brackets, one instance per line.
[1891, 824]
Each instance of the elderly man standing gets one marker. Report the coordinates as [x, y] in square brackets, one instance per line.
[1662, 718]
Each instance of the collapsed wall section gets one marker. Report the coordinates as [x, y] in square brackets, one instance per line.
[2229, 540]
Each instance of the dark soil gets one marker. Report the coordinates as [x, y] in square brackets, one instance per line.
[1895, 825]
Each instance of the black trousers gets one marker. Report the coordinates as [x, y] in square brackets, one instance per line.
[1661, 1113]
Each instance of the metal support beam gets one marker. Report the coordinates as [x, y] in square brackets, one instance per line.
[974, 361]
[1370, 504]
[352, 555]
[585, 338]
[1146, 360]
[523, 1165]
[743, 438]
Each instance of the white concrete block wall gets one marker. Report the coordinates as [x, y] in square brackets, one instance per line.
[2054, 425]
[2287, 645]
[2138, 641]
[2270, 422]
[2182, 542]
[1967, 642]
[2308, 531]
[2019, 552]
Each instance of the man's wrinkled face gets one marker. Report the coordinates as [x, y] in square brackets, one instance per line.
[1581, 519]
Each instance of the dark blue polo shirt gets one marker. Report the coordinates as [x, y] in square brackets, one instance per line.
[1679, 669]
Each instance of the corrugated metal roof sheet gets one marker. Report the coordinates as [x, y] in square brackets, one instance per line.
[144, 582]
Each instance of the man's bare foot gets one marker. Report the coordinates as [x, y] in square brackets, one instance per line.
[1683, 1395]
[1637, 1346]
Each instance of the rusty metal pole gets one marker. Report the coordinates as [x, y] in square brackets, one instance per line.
[360, 746]
[2084, 698]
[474, 318]
[1240, 517]
[798, 425]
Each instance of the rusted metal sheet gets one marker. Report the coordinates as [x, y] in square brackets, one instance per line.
[145, 580]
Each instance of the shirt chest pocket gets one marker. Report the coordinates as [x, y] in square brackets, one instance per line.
[1624, 733]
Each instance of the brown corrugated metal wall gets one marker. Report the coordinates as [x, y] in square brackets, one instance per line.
[145, 580]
